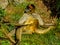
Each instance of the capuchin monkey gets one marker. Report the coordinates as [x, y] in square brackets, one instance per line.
[32, 21]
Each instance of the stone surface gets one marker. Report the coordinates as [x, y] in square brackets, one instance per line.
[19, 1]
[3, 3]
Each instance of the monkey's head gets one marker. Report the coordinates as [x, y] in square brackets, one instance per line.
[30, 8]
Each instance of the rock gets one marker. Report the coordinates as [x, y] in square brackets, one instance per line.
[19, 1]
[3, 3]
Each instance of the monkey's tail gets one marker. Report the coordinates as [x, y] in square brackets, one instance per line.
[44, 31]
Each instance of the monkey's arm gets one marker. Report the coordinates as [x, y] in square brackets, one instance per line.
[23, 19]
[11, 33]
[41, 22]
[8, 36]
[37, 16]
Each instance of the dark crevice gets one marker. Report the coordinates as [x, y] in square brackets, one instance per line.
[51, 5]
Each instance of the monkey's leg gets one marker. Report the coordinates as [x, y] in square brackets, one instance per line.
[28, 29]
[19, 35]
[30, 32]
[43, 31]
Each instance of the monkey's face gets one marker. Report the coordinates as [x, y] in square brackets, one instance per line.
[30, 8]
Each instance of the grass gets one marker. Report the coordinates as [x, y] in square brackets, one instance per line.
[50, 38]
